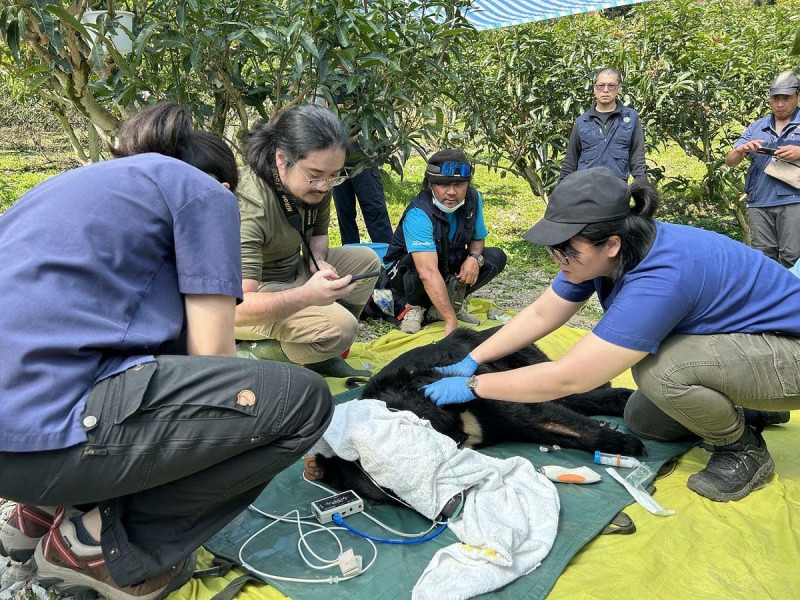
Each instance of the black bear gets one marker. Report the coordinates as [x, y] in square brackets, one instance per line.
[482, 422]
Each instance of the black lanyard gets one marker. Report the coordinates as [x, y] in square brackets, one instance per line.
[292, 214]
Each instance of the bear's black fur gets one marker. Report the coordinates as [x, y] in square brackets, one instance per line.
[484, 422]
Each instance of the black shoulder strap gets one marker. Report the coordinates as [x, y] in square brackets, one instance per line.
[292, 215]
[235, 586]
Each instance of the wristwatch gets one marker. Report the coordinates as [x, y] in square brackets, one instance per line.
[478, 257]
[472, 383]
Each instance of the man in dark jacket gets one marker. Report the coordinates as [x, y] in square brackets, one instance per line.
[437, 254]
[609, 134]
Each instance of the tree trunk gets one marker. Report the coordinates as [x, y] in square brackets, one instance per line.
[740, 210]
[73, 139]
[94, 142]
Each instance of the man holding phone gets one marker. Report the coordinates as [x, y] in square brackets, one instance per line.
[773, 206]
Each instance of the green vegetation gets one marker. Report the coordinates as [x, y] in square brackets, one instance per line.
[230, 63]
[407, 77]
[20, 171]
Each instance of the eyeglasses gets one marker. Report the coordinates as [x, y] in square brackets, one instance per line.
[450, 168]
[562, 258]
[332, 182]
[606, 86]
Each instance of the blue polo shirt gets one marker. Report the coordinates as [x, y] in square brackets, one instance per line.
[763, 190]
[692, 282]
[94, 264]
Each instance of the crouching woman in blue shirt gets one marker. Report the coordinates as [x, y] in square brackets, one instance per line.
[120, 388]
[705, 323]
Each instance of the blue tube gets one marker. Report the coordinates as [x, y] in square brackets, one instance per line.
[337, 518]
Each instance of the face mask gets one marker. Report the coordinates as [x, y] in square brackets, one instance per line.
[446, 209]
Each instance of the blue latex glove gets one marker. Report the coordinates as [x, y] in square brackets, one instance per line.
[465, 368]
[450, 390]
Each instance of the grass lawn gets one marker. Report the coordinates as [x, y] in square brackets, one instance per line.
[19, 173]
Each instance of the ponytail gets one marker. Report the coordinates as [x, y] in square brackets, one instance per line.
[637, 231]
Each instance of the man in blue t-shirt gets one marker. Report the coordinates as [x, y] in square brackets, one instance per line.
[773, 206]
[437, 255]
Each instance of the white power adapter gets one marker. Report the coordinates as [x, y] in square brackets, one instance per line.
[345, 503]
[350, 563]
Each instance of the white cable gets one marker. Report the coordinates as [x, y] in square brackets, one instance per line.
[303, 535]
[316, 528]
[255, 509]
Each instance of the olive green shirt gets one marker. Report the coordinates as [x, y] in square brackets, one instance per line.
[271, 248]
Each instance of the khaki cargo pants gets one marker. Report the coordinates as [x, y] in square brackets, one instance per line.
[316, 333]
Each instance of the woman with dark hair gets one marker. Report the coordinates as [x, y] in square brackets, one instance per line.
[121, 391]
[706, 324]
[166, 129]
[300, 302]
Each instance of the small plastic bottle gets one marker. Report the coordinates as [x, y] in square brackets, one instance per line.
[615, 460]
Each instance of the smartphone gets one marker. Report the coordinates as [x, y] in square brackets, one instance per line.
[365, 275]
[766, 150]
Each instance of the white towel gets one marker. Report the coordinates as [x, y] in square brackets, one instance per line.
[509, 520]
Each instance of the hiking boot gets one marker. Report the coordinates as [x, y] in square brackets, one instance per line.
[433, 314]
[734, 470]
[68, 565]
[412, 320]
[21, 532]
[336, 367]
[264, 349]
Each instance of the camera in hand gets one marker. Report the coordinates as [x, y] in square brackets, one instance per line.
[766, 150]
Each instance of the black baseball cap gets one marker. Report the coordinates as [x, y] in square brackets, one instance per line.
[785, 83]
[593, 195]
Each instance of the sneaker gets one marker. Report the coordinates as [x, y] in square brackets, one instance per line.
[734, 470]
[24, 528]
[67, 565]
[412, 320]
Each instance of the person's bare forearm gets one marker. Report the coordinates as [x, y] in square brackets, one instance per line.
[259, 308]
[436, 290]
[590, 363]
[319, 246]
